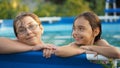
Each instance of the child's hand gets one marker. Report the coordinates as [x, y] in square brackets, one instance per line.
[48, 50]
[88, 50]
[85, 47]
[38, 47]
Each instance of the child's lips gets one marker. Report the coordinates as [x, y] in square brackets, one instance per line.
[77, 38]
[30, 38]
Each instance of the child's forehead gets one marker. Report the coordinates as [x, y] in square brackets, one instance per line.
[25, 21]
[81, 23]
[81, 20]
[20, 23]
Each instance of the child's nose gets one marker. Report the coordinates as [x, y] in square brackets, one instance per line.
[28, 31]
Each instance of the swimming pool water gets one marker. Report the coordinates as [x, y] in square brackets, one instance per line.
[60, 34]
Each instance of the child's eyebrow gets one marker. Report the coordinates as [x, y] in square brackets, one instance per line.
[81, 26]
[30, 22]
[21, 27]
[27, 24]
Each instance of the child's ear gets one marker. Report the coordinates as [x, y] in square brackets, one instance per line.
[96, 31]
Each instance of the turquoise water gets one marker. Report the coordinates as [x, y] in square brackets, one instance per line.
[60, 34]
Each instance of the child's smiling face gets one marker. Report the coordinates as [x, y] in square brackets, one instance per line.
[29, 31]
[82, 31]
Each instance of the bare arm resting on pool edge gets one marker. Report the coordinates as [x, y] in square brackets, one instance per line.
[108, 51]
[67, 51]
[104, 48]
[8, 46]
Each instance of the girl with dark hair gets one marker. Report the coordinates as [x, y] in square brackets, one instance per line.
[87, 35]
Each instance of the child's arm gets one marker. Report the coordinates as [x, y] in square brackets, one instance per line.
[110, 52]
[67, 51]
[104, 48]
[102, 42]
[8, 46]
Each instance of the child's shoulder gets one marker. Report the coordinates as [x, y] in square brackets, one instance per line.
[102, 42]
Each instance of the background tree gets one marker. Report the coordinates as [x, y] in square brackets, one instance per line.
[43, 8]
[9, 8]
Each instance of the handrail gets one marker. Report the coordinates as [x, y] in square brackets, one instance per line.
[110, 18]
[112, 10]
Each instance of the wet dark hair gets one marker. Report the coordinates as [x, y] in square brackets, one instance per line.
[20, 16]
[94, 22]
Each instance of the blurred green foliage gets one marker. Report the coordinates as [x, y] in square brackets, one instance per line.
[97, 6]
[10, 8]
[68, 8]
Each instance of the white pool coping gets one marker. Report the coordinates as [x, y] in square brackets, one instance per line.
[93, 57]
[100, 57]
[1, 21]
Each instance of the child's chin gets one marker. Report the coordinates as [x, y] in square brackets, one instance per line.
[32, 43]
[79, 43]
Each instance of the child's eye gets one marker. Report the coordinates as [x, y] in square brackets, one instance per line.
[81, 29]
[21, 30]
[31, 26]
